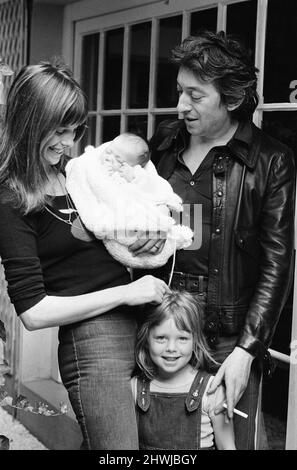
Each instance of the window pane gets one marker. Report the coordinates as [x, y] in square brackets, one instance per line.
[138, 125]
[280, 57]
[204, 19]
[113, 64]
[170, 36]
[89, 68]
[111, 127]
[89, 137]
[282, 125]
[139, 65]
[163, 117]
[241, 22]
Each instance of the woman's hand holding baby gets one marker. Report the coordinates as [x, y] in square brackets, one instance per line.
[147, 289]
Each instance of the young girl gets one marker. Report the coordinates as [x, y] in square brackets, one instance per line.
[58, 274]
[174, 410]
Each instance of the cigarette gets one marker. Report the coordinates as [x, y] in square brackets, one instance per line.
[236, 411]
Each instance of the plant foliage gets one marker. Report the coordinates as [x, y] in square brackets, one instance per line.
[21, 402]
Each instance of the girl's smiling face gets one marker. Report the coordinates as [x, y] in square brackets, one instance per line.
[170, 348]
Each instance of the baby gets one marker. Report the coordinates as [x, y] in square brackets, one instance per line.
[126, 159]
[118, 194]
[125, 155]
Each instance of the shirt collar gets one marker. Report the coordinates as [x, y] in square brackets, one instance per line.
[240, 144]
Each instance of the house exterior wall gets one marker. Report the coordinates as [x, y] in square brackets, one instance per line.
[46, 32]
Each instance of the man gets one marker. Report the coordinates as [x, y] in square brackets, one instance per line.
[244, 180]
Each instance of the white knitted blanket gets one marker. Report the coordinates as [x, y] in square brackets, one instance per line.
[116, 210]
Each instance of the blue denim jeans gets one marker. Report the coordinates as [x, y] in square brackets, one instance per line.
[96, 360]
[244, 429]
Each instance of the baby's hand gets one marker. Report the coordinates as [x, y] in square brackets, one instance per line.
[127, 172]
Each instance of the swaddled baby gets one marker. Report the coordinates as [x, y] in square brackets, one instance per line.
[118, 192]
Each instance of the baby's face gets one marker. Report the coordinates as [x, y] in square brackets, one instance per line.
[123, 154]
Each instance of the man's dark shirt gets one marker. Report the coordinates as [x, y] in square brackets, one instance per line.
[196, 190]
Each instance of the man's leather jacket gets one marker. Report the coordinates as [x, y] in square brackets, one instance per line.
[252, 241]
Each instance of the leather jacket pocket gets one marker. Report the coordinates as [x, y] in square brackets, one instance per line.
[248, 255]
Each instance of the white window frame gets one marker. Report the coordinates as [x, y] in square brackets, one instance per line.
[89, 17]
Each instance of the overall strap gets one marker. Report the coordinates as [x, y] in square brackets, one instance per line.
[143, 393]
[197, 390]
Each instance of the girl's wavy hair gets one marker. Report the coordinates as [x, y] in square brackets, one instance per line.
[187, 313]
[222, 60]
[41, 99]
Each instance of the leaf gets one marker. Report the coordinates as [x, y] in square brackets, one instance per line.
[48, 413]
[4, 442]
[42, 409]
[3, 393]
[7, 401]
[2, 331]
[63, 408]
[4, 369]
[22, 402]
[5, 69]
[29, 408]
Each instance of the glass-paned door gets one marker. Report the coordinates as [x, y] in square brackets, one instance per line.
[139, 65]
[243, 29]
[280, 57]
[128, 76]
[123, 61]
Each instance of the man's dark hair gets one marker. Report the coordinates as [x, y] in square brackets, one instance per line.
[222, 60]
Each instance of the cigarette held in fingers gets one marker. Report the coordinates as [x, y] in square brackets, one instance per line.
[236, 411]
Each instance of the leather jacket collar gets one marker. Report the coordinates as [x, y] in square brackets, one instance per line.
[242, 143]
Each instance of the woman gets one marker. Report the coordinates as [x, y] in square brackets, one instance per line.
[58, 274]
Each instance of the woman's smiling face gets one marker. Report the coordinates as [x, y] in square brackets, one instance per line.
[54, 146]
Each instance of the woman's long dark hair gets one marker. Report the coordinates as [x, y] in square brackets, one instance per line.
[41, 99]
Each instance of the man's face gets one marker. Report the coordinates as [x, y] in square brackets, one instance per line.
[200, 104]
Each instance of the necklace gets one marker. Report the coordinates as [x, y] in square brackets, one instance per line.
[70, 210]
[69, 222]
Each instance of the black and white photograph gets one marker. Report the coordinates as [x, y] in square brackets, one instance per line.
[148, 308]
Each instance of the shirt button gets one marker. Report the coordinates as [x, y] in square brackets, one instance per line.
[216, 270]
[192, 183]
[218, 230]
[220, 193]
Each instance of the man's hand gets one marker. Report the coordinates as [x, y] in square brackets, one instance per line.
[234, 374]
[143, 244]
